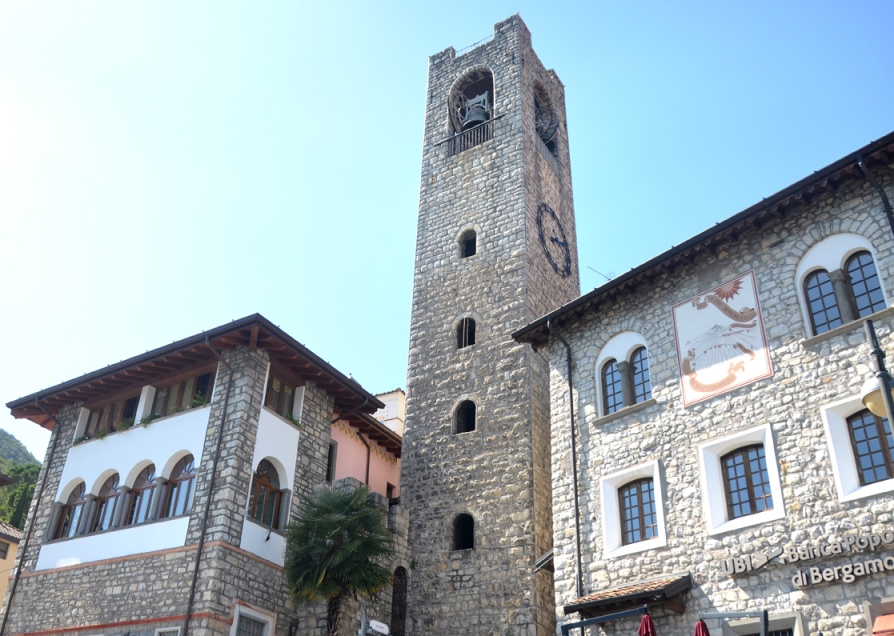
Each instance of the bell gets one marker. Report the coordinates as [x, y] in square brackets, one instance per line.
[477, 112]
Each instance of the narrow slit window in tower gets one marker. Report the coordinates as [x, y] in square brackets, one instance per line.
[468, 244]
[465, 333]
[465, 417]
[463, 532]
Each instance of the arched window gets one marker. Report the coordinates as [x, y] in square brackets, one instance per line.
[265, 499]
[642, 382]
[71, 513]
[822, 303]
[612, 395]
[865, 285]
[180, 488]
[839, 282]
[623, 376]
[140, 503]
[468, 244]
[105, 505]
[639, 521]
[465, 333]
[465, 417]
[546, 120]
[470, 106]
[463, 532]
[399, 602]
[746, 481]
[873, 445]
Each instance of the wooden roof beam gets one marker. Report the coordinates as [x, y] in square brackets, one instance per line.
[253, 338]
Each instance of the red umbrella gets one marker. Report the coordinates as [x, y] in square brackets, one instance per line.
[701, 629]
[646, 626]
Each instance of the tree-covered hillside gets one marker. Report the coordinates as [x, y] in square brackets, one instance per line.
[13, 452]
[18, 463]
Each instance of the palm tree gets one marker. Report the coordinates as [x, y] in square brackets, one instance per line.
[333, 549]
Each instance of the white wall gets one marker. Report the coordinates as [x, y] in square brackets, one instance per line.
[277, 441]
[259, 540]
[121, 452]
[149, 537]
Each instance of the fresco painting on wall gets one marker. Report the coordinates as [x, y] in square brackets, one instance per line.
[721, 344]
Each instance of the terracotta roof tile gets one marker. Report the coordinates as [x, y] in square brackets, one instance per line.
[11, 531]
[883, 625]
[659, 589]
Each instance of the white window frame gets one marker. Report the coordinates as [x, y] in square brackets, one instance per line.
[612, 540]
[619, 348]
[831, 254]
[793, 621]
[841, 451]
[712, 481]
[167, 631]
[252, 612]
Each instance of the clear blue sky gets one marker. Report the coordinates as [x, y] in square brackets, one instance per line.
[166, 167]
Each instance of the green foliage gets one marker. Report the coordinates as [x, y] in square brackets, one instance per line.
[199, 400]
[334, 548]
[14, 451]
[15, 499]
[148, 419]
[125, 424]
[18, 463]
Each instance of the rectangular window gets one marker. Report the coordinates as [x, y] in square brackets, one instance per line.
[330, 461]
[637, 505]
[249, 627]
[746, 481]
[195, 391]
[109, 418]
[283, 396]
[4, 549]
[872, 441]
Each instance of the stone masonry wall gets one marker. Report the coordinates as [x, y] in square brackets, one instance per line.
[145, 591]
[499, 473]
[313, 618]
[232, 480]
[809, 372]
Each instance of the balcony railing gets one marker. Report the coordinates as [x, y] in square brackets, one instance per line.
[470, 138]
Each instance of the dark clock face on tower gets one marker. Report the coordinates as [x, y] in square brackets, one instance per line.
[553, 240]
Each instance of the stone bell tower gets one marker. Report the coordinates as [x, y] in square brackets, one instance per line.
[495, 249]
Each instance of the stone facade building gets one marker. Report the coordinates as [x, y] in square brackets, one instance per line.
[169, 479]
[710, 451]
[495, 248]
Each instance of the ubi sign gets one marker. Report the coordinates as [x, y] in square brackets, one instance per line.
[806, 552]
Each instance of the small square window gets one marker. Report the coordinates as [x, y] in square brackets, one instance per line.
[860, 449]
[740, 481]
[249, 621]
[632, 510]
[780, 625]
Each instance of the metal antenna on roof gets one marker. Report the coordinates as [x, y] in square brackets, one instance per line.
[600, 273]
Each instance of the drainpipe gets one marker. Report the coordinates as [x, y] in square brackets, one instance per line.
[207, 511]
[359, 434]
[28, 535]
[579, 578]
[885, 202]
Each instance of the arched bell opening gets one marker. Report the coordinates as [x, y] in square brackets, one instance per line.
[471, 100]
[546, 119]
